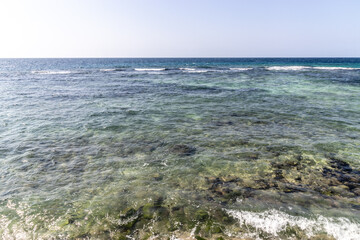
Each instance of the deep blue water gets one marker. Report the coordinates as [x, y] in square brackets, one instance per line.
[263, 148]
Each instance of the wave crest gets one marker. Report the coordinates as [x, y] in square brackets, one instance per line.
[336, 68]
[286, 68]
[149, 69]
[299, 68]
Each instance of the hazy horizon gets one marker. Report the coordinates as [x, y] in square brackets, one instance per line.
[169, 29]
[185, 57]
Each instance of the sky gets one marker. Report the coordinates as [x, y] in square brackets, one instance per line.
[179, 28]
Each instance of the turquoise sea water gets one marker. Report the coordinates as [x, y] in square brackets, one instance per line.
[180, 148]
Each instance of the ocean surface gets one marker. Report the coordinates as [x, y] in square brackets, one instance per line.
[251, 148]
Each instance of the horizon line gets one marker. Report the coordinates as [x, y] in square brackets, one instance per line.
[177, 57]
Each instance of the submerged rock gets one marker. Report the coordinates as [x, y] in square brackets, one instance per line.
[183, 150]
[157, 177]
[339, 164]
[224, 123]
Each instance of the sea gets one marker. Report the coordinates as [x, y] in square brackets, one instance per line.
[180, 148]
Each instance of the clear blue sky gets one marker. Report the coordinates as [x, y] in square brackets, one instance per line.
[182, 28]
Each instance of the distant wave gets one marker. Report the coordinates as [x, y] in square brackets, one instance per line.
[51, 72]
[150, 69]
[274, 222]
[335, 68]
[286, 68]
[299, 68]
[193, 70]
[240, 69]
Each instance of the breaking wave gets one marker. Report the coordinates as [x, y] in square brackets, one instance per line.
[273, 222]
[286, 68]
[335, 68]
[299, 68]
[150, 69]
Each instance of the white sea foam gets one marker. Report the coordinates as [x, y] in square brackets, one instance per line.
[241, 69]
[194, 70]
[286, 68]
[149, 69]
[336, 68]
[108, 70]
[299, 68]
[51, 72]
[274, 221]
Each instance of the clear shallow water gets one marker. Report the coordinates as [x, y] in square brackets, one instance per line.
[179, 148]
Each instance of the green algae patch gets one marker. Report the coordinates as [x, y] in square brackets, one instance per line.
[201, 215]
[148, 211]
